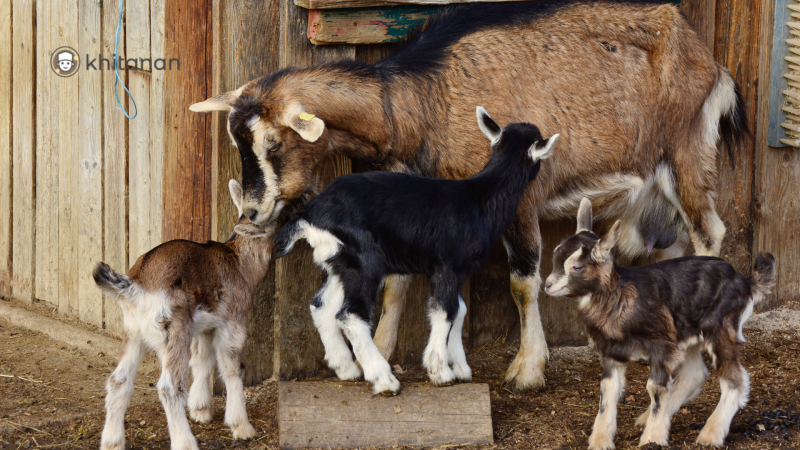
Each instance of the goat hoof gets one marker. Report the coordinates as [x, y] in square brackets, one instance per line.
[117, 446]
[349, 372]
[462, 374]
[442, 378]
[600, 443]
[204, 415]
[664, 442]
[520, 377]
[244, 431]
[706, 438]
[641, 421]
[388, 387]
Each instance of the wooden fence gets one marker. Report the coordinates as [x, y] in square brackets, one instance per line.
[81, 183]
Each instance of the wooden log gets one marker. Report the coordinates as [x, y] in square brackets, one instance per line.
[298, 349]
[331, 4]
[347, 415]
[115, 170]
[246, 44]
[366, 25]
[89, 151]
[6, 123]
[24, 149]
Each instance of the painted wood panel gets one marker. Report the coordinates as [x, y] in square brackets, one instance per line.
[366, 25]
[6, 122]
[329, 4]
[24, 149]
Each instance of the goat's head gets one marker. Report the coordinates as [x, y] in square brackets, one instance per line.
[279, 143]
[514, 136]
[582, 262]
[244, 227]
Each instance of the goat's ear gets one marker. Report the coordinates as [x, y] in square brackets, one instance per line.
[543, 149]
[221, 102]
[308, 126]
[250, 230]
[236, 195]
[585, 216]
[603, 247]
[489, 127]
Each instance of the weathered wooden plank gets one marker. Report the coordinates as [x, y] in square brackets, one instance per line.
[702, 14]
[5, 148]
[246, 43]
[137, 33]
[139, 176]
[90, 155]
[69, 166]
[778, 66]
[157, 120]
[298, 349]
[366, 25]
[46, 167]
[778, 187]
[115, 196]
[24, 149]
[187, 136]
[330, 4]
[347, 415]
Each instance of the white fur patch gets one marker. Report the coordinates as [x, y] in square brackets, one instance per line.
[731, 399]
[435, 357]
[337, 353]
[325, 244]
[376, 369]
[605, 424]
[455, 345]
[491, 135]
[748, 311]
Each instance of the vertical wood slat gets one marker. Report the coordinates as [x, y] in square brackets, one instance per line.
[47, 166]
[157, 121]
[298, 349]
[702, 14]
[137, 27]
[23, 227]
[777, 183]
[64, 30]
[89, 152]
[5, 148]
[246, 47]
[187, 136]
[115, 197]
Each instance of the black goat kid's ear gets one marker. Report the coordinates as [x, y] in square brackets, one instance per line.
[585, 216]
[602, 249]
[543, 149]
[490, 128]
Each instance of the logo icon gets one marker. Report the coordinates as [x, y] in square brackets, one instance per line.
[65, 61]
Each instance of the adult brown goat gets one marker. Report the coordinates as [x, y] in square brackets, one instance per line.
[639, 100]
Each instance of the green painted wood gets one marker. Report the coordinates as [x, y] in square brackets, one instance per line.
[366, 25]
[779, 66]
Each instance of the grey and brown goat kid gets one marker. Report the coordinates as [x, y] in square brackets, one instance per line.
[665, 313]
[189, 303]
[641, 114]
[364, 227]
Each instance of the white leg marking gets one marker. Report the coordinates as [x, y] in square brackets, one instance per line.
[376, 368]
[605, 424]
[120, 388]
[202, 364]
[435, 357]
[657, 427]
[180, 434]
[748, 311]
[731, 399]
[337, 354]
[325, 244]
[394, 298]
[688, 383]
[228, 345]
[455, 345]
[527, 369]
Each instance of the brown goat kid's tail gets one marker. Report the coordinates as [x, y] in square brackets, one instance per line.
[763, 279]
[113, 283]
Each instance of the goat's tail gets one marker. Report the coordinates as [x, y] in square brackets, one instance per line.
[734, 132]
[763, 278]
[113, 283]
[286, 236]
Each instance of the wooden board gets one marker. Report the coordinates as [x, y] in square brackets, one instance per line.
[366, 25]
[89, 152]
[347, 415]
[115, 195]
[329, 4]
[139, 175]
[24, 149]
[157, 120]
[5, 148]
[778, 66]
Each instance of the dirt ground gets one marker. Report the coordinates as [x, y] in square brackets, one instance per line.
[51, 396]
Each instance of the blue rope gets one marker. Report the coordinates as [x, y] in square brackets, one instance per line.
[116, 72]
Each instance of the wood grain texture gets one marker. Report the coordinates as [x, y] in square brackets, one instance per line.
[6, 122]
[115, 170]
[24, 149]
[246, 41]
[337, 415]
[701, 14]
[157, 120]
[139, 174]
[67, 146]
[776, 204]
[776, 34]
[137, 32]
[298, 349]
[187, 136]
[89, 152]
[328, 4]
[366, 25]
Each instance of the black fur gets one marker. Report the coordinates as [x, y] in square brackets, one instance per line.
[109, 280]
[734, 130]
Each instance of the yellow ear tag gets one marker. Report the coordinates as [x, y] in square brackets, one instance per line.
[306, 116]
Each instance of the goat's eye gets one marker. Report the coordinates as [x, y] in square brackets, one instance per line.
[576, 268]
[274, 148]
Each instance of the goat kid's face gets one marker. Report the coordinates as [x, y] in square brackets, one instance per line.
[244, 227]
[279, 143]
[582, 262]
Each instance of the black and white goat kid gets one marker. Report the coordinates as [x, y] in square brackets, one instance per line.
[666, 312]
[366, 226]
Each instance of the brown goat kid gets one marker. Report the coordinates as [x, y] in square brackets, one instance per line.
[665, 313]
[188, 302]
[639, 100]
